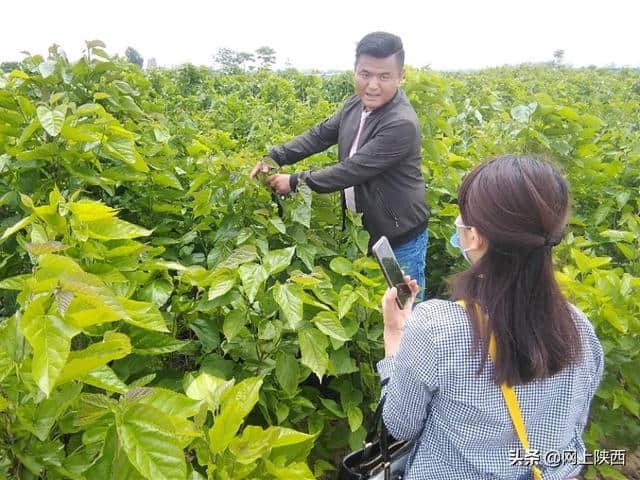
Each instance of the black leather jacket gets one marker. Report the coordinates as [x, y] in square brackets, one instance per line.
[385, 170]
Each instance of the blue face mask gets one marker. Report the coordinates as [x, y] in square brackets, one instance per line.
[455, 241]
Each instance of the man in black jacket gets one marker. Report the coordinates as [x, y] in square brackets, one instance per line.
[379, 145]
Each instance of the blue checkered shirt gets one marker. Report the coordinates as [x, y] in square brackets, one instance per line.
[460, 420]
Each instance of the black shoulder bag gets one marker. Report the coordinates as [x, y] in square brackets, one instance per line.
[383, 458]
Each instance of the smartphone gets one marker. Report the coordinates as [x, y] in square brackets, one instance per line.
[391, 270]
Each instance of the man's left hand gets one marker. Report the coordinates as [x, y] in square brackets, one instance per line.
[280, 183]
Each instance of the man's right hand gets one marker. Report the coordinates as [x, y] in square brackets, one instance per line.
[261, 166]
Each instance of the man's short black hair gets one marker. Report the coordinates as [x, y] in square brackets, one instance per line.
[381, 45]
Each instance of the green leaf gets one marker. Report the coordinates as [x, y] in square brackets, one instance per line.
[37, 249]
[586, 263]
[287, 372]
[6, 362]
[157, 292]
[287, 436]
[52, 120]
[328, 323]
[279, 224]
[310, 300]
[628, 401]
[172, 403]
[147, 437]
[15, 283]
[50, 339]
[106, 379]
[55, 266]
[253, 277]
[332, 406]
[166, 179]
[115, 229]
[28, 132]
[79, 134]
[11, 344]
[90, 109]
[143, 314]
[346, 299]
[18, 226]
[362, 240]
[222, 281]
[277, 260]
[161, 134]
[241, 255]
[206, 332]
[619, 322]
[50, 409]
[155, 343]
[313, 347]
[233, 323]
[341, 363]
[618, 236]
[253, 444]
[47, 68]
[288, 297]
[522, 113]
[122, 148]
[81, 362]
[354, 416]
[591, 121]
[208, 388]
[237, 404]
[306, 253]
[113, 462]
[292, 471]
[90, 210]
[341, 265]
[128, 104]
[629, 252]
[302, 211]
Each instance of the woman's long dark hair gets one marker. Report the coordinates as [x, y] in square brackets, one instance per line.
[520, 205]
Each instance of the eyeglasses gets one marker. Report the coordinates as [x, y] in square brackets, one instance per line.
[459, 225]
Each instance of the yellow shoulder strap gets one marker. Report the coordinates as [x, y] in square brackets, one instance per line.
[511, 400]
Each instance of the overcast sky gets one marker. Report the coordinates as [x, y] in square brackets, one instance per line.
[322, 34]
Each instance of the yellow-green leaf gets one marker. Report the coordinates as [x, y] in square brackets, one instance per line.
[208, 388]
[18, 226]
[221, 283]
[81, 362]
[147, 437]
[115, 229]
[90, 210]
[238, 402]
[328, 323]
[50, 339]
[52, 120]
[313, 347]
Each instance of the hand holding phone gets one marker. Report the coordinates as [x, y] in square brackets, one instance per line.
[391, 270]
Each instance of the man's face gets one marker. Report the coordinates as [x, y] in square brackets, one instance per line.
[377, 80]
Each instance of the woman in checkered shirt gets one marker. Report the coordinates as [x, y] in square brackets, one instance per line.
[444, 390]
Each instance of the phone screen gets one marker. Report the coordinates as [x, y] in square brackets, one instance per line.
[391, 270]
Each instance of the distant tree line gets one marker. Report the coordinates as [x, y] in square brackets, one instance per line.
[232, 61]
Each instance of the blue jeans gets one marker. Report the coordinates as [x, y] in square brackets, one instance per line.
[411, 257]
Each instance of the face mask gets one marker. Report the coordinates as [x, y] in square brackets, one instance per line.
[455, 241]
